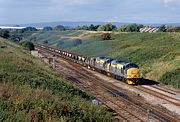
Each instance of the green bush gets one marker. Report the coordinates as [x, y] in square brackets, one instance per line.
[4, 34]
[130, 28]
[172, 78]
[28, 45]
[106, 36]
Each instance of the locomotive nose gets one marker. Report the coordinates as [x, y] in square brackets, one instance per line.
[133, 73]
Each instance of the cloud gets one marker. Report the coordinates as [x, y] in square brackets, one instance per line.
[169, 1]
[23, 11]
[166, 2]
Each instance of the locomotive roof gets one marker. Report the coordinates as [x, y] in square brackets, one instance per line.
[103, 58]
[124, 63]
[119, 62]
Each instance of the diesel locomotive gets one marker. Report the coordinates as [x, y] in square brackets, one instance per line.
[121, 70]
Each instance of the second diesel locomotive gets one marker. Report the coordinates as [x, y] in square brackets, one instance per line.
[124, 71]
[121, 70]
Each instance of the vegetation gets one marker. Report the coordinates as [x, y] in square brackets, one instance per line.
[45, 41]
[85, 27]
[47, 28]
[173, 29]
[60, 28]
[106, 36]
[27, 45]
[155, 53]
[31, 91]
[162, 28]
[107, 27]
[29, 29]
[4, 34]
[171, 77]
[130, 28]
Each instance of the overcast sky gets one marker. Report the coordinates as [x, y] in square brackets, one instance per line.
[139, 11]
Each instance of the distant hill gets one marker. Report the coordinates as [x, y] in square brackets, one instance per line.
[81, 23]
[69, 24]
[64, 23]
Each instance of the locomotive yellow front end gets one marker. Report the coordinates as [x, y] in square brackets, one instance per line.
[133, 76]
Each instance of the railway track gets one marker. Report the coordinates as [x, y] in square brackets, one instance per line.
[134, 103]
[160, 95]
[119, 96]
[101, 93]
[170, 91]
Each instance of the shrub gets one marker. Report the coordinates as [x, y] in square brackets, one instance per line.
[60, 28]
[171, 78]
[173, 29]
[28, 45]
[107, 27]
[77, 42]
[4, 34]
[29, 29]
[45, 42]
[106, 36]
[47, 28]
[130, 28]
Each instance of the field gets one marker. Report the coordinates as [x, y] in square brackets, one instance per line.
[31, 91]
[157, 54]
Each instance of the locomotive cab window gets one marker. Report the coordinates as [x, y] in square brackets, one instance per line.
[131, 66]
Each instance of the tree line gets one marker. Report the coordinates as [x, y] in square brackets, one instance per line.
[17, 35]
[105, 27]
[110, 27]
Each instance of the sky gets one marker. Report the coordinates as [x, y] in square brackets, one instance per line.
[134, 11]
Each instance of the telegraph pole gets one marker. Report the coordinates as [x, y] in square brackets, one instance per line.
[148, 116]
[54, 61]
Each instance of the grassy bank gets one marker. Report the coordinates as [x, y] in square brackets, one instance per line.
[156, 53]
[30, 90]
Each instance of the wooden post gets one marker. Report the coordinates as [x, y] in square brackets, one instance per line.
[54, 61]
[148, 116]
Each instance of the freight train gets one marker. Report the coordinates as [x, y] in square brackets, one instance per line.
[121, 70]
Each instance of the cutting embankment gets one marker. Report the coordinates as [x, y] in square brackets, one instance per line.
[157, 54]
[31, 91]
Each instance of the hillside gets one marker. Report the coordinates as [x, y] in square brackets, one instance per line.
[31, 91]
[157, 54]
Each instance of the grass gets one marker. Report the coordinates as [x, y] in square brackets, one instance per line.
[157, 54]
[31, 91]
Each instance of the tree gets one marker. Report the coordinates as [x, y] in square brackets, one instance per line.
[92, 27]
[96, 27]
[47, 28]
[106, 36]
[4, 34]
[162, 28]
[107, 27]
[101, 28]
[28, 45]
[110, 27]
[60, 28]
[84, 27]
[173, 29]
[130, 28]
[45, 42]
[16, 38]
[29, 29]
